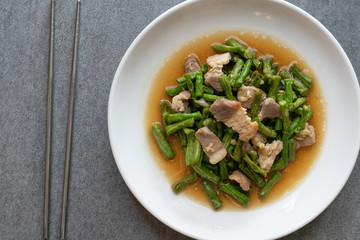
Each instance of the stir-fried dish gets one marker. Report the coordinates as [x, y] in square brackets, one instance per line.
[240, 119]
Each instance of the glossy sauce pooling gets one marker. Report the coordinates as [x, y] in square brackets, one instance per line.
[174, 68]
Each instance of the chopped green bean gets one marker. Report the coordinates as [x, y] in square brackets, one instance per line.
[253, 155]
[256, 105]
[205, 114]
[225, 84]
[219, 129]
[274, 87]
[258, 180]
[267, 70]
[277, 165]
[190, 147]
[256, 79]
[210, 97]
[227, 138]
[211, 193]
[173, 91]
[285, 114]
[161, 141]
[278, 124]
[271, 182]
[243, 51]
[208, 89]
[304, 118]
[297, 84]
[265, 130]
[173, 128]
[191, 75]
[179, 185]
[295, 70]
[300, 87]
[212, 167]
[181, 79]
[280, 97]
[294, 123]
[199, 80]
[288, 91]
[237, 150]
[299, 111]
[224, 171]
[284, 73]
[210, 124]
[292, 149]
[285, 150]
[300, 101]
[182, 136]
[204, 68]
[206, 173]
[164, 107]
[244, 73]
[274, 68]
[177, 117]
[232, 191]
[253, 165]
[235, 72]
[190, 87]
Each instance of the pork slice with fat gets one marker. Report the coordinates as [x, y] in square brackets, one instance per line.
[306, 137]
[216, 63]
[218, 60]
[246, 96]
[267, 154]
[191, 63]
[212, 78]
[240, 178]
[180, 102]
[269, 109]
[211, 144]
[235, 116]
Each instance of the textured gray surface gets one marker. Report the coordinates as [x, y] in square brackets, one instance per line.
[100, 205]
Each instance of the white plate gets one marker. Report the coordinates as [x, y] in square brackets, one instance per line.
[192, 19]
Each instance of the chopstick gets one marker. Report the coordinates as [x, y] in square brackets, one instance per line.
[48, 127]
[69, 126]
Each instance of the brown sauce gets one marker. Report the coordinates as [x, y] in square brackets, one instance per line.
[173, 68]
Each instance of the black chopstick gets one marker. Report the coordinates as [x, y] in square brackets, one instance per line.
[69, 126]
[48, 127]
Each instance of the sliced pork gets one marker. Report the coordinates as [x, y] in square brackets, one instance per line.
[306, 138]
[180, 101]
[246, 96]
[234, 115]
[218, 60]
[212, 78]
[216, 63]
[269, 109]
[267, 154]
[191, 63]
[258, 140]
[241, 178]
[211, 144]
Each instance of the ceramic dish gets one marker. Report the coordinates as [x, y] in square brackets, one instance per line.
[187, 21]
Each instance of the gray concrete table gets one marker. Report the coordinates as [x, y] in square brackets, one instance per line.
[101, 205]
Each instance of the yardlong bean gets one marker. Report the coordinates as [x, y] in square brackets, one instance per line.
[161, 141]
[211, 193]
[179, 185]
